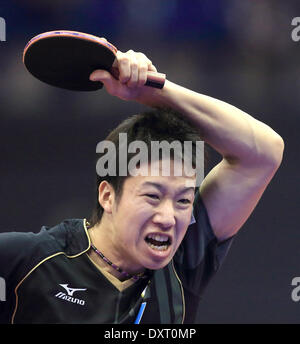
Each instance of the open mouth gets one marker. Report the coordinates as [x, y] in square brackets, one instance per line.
[158, 242]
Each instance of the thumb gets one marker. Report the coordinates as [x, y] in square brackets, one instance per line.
[105, 77]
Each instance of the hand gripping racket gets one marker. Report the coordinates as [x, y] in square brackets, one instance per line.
[66, 59]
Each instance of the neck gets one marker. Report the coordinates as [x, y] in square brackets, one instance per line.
[103, 243]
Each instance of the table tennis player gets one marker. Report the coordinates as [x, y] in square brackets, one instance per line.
[154, 241]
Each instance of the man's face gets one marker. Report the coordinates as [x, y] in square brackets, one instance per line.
[151, 218]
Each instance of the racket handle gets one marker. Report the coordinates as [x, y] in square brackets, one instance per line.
[156, 80]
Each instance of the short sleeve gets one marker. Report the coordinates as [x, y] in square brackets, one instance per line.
[200, 254]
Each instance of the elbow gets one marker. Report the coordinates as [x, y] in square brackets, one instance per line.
[267, 157]
[279, 150]
[275, 155]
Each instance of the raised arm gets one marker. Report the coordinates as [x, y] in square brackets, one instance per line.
[251, 150]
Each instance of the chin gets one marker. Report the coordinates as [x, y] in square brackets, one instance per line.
[157, 265]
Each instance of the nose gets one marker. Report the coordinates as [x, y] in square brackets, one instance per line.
[165, 215]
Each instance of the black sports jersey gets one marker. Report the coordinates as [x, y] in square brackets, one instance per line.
[50, 279]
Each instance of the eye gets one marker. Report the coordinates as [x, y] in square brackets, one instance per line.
[184, 201]
[152, 196]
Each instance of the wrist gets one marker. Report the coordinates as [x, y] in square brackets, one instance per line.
[155, 97]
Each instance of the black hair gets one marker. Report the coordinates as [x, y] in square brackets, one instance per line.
[156, 125]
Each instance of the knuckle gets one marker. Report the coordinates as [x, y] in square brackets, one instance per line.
[142, 56]
[124, 59]
[143, 69]
[119, 54]
[134, 65]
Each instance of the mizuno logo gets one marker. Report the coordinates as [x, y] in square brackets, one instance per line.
[70, 292]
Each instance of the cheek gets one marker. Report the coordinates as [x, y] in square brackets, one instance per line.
[183, 231]
[131, 221]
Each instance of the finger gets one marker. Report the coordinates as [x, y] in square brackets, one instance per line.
[152, 68]
[123, 64]
[106, 78]
[143, 69]
[100, 75]
[134, 69]
[144, 59]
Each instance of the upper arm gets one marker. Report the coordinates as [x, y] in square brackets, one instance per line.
[231, 191]
[16, 253]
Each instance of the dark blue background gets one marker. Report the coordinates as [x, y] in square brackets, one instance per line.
[237, 51]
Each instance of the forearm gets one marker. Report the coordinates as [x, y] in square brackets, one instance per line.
[234, 134]
[237, 136]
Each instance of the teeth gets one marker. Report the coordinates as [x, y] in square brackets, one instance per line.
[159, 248]
[158, 237]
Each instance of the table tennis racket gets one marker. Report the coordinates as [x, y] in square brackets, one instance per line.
[66, 59]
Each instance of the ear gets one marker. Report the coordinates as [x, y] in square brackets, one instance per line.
[106, 196]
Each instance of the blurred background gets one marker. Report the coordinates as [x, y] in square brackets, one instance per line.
[241, 52]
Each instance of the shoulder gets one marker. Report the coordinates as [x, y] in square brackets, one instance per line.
[200, 241]
[14, 244]
[20, 251]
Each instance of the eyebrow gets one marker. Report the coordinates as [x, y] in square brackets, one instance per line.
[161, 187]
